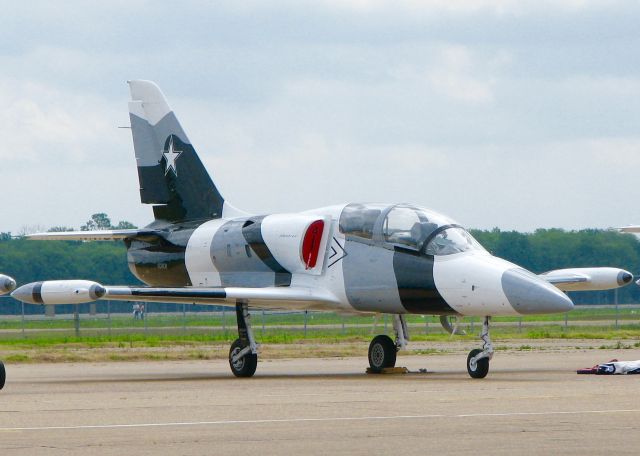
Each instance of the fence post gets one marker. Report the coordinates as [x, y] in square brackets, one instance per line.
[184, 319]
[263, 323]
[615, 297]
[109, 317]
[305, 323]
[24, 334]
[519, 325]
[76, 319]
[224, 322]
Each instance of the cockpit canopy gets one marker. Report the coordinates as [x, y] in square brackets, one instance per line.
[406, 226]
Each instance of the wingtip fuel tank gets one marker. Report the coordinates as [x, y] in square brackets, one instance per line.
[59, 292]
[588, 279]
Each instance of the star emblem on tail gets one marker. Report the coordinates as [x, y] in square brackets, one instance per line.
[170, 157]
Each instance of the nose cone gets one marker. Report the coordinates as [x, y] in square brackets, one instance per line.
[528, 294]
[29, 293]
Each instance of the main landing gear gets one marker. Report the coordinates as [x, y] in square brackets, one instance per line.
[383, 350]
[478, 360]
[3, 375]
[243, 355]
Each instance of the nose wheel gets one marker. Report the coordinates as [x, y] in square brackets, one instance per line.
[478, 359]
[477, 368]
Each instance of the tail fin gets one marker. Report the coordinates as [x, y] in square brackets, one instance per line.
[171, 175]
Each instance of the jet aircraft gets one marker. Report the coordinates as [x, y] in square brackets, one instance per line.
[397, 259]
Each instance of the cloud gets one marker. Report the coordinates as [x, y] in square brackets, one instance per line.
[501, 7]
[455, 73]
[497, 112]
[43, 124]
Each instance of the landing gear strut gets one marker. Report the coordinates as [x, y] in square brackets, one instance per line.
[3, 375]
[478, 360]
[383, 350]
[243, 355]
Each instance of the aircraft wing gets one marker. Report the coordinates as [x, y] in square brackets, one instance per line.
[95, 235]
[80, 291]
[587, 279]
[630, 229]
[259, 297]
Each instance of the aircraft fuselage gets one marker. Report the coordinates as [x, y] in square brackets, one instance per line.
[373, 257]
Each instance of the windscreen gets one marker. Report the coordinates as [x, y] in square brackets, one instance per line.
[410, 226]
[452, 240]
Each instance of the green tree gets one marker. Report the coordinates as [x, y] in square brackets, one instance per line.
[99, 221]
[59, 229]
[124, 225]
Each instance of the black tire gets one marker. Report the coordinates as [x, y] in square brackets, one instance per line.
[3, 375]
[481, 367]
[245, 366]
[382, 353]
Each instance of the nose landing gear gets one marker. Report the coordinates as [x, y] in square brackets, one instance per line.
[478, 360]
[243, 355]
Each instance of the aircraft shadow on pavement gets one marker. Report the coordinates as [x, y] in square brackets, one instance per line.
[506, 375]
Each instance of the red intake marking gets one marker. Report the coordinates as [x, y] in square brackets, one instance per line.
[311, 244]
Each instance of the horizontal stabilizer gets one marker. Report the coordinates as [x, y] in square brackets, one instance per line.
[630, 229]
[588, 279]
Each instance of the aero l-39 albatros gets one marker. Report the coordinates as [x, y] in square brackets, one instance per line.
[372, 258]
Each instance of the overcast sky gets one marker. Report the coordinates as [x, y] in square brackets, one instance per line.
[515, 114]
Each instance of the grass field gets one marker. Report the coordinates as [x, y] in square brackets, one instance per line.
[207, 335]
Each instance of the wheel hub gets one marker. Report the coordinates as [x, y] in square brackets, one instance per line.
[377, 355]
[239, 364]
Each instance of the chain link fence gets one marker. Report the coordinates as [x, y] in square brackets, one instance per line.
[112, 319]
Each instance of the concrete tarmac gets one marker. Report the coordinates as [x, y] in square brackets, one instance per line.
[531, 403]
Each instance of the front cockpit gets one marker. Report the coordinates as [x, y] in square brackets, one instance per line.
[407, 227]
[423, 262]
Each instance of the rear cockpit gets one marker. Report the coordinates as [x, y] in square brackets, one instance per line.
[407, 227]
